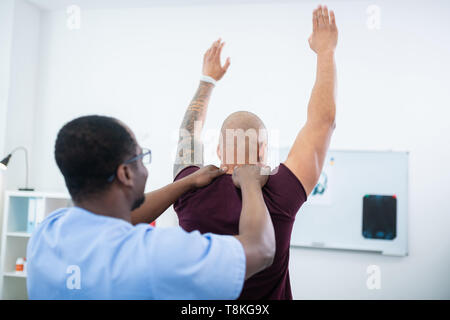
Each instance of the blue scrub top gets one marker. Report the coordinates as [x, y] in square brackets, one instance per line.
[76, 254]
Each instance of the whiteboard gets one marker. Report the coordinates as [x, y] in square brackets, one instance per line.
[334, 219]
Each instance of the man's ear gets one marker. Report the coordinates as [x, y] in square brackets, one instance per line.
[262, 152]
[125, 175]
[219, 152]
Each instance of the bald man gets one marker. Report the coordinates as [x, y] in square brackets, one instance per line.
[216, 207]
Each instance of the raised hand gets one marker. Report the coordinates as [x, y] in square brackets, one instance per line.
[325, 34]
[211, 61]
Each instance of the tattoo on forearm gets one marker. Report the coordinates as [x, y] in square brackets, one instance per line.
[189, 143]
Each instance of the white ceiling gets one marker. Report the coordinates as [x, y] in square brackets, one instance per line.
[109, 4]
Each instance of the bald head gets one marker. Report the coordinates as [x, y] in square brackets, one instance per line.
[242, 120]
[243, 139]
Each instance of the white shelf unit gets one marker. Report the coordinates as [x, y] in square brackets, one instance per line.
[15, 236]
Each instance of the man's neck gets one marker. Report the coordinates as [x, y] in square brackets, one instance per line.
[107, 205]
[230, 167]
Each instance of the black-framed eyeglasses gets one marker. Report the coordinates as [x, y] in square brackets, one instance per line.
[146, 157]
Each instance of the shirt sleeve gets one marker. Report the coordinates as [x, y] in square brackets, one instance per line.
[184, 173]
[284, 191]
[194, 266]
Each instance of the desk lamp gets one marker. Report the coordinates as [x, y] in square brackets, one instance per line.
[5, 161]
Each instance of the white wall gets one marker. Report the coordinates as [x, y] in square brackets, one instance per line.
[19, 39]
[21, 99]
[6, 22]
[142, 66]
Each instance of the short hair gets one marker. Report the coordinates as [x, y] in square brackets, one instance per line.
[88, 151]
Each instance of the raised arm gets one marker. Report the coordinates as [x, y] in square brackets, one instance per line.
[190, 146]
[307, 155]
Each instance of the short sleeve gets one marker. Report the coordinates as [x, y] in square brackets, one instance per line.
[194, 266]
[184, 173]
[284, 191]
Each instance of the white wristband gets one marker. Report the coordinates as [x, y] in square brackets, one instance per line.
[208, 79]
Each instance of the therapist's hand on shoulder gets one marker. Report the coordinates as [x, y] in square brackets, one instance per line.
[247, 173]
[206, 175]
[256, 232]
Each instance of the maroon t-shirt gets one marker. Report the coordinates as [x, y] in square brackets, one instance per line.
[217, 208]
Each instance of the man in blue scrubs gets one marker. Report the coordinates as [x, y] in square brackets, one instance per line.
[104, 248]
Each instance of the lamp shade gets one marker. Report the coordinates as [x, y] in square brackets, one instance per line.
[4, 162]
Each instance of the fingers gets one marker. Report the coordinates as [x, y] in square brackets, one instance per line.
[215, 171]
[215, 50]
[323, 18]
[265, 170]
[326, 18]
[319, 16]
[218, 53]
[211, 50]
[215, 47]
[219, 50]
[227, 64]
[207, 54]
[315, 20]
[332, 19]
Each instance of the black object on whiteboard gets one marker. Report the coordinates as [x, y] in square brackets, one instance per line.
[379, 217]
